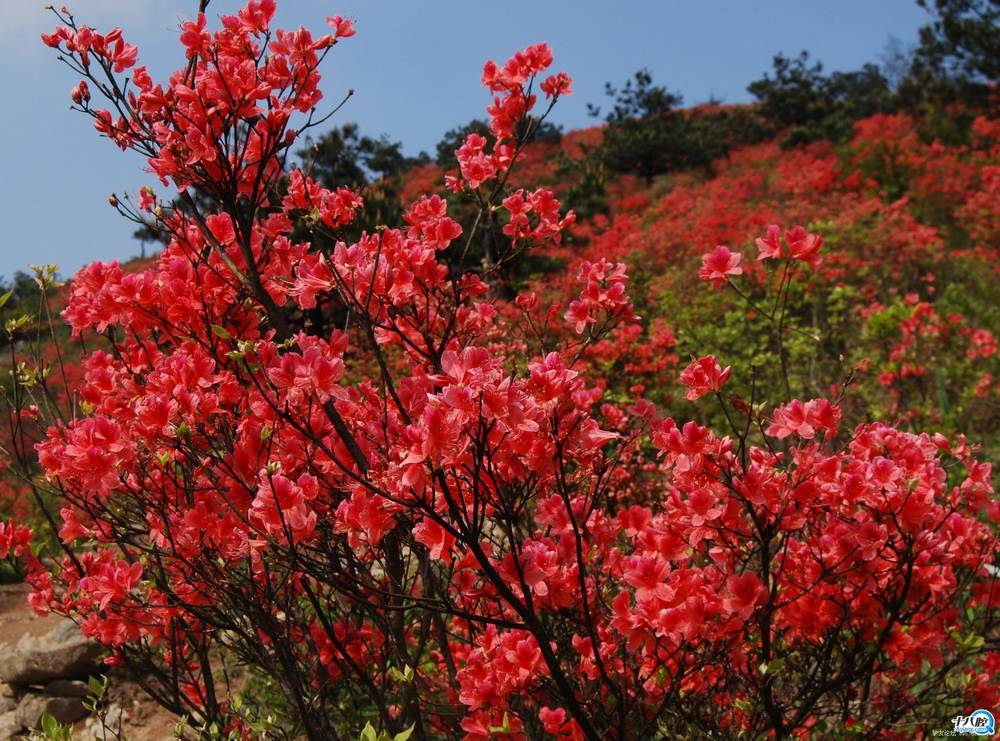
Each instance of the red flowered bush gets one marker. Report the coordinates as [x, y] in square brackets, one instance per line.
[400, 494]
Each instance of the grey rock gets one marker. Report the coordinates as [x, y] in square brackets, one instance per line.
[93, 728]
[62, 653]
[64, 709]
[67, 688]
[8, 700]
[9, 726]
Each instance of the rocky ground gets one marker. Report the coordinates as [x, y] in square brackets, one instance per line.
[44, 666]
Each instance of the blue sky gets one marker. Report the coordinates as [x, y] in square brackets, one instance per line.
[415, 67]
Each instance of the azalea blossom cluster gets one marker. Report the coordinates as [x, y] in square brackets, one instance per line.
[603, 294]
[510, 85]
[798, 245]
[328, 460]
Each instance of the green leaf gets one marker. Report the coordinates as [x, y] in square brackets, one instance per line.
[6, 297]
[221, 332]
[98, 685]
[50, 726]
[406, 675]
[505, 728]
[12, 325]
[368, 733]
[973, 643]
[403, 735]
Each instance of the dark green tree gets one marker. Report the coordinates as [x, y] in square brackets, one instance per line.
[809, 105]
[963, 38]
[453, 139]
[794, 95]
[648, 134]
[344, 157]
[638, 99]
[957, 60]
[645, 132]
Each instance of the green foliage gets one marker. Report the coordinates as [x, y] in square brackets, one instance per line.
[963, 40]
[368, 733]
[647, 133]
[587, 196]
[542, 131]
[957, 61]
[51, 730]
[809, 105]
[453, 139]
[264, 707]
[343, 157]
[10, 572]
[794, 96]
[907, 358]
[639, 98]
[21, 298]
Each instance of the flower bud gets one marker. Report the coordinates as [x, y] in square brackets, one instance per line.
[80, 93]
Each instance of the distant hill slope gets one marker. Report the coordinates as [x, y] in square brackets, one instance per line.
[904, 303]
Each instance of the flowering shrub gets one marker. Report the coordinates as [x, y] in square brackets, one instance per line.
[359, 470]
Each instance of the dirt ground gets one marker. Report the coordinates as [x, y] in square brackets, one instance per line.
[142, 719]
